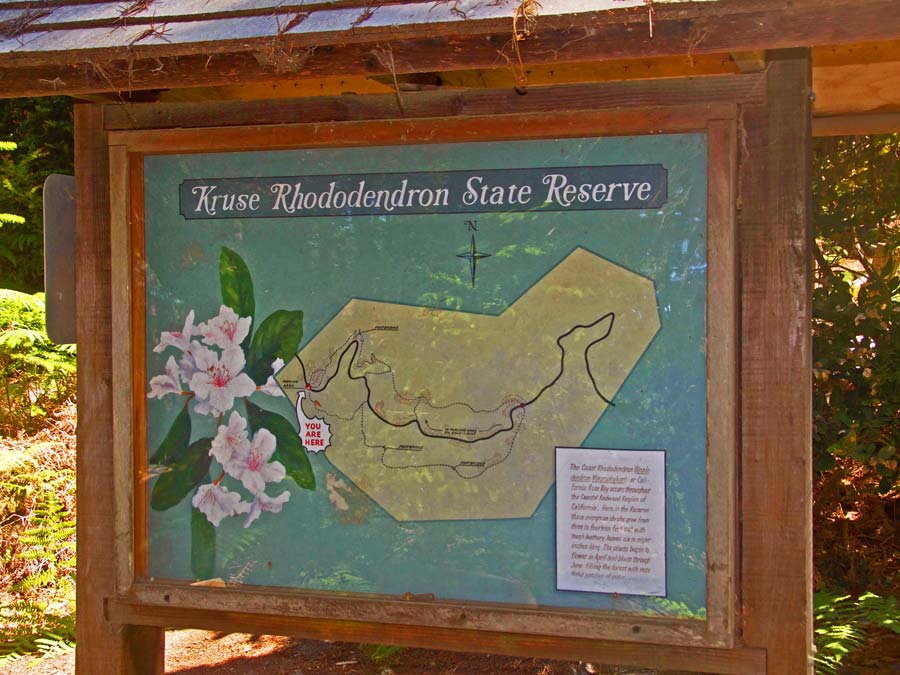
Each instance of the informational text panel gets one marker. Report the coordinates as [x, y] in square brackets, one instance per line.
[611, 521]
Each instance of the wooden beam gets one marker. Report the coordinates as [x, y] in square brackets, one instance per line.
[453, 103]
[852, 125]
[104, 646]
[857, 88]
[534, 76]
[858, 53]
[584, 38]
[776, 366]
[722, 661]
[749, 62]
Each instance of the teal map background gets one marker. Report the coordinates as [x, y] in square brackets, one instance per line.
[317, 264]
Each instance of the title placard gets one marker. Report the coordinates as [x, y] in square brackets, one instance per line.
[581, 188]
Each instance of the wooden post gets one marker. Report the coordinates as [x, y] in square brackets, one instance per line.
[776, 450]
[102, 647]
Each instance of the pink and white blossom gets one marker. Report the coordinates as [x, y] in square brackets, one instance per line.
[170, 383]
[225, 330]
[218, 502]
[231, 444]
[263, 502]
[255, 469]
[186, 364]
[180, 340]
[271, 386]
[219, 380]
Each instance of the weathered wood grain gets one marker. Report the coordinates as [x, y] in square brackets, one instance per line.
[849, 125]
[450, 103]
[857, 88]
[103, 646]
[239, 56]
[121, 363]
[568, 124]
[776, 392]
[722, 393]
[394, 610]
[739, 661]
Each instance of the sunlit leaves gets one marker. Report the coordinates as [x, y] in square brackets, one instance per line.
[856, 303]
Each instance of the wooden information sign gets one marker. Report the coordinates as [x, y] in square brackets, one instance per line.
[458, 381]
[481, 386]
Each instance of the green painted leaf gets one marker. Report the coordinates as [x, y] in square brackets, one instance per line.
[203, 545]
[237, 286]
[278, 336]
[176, 441]
[288, 449]
[183, 476]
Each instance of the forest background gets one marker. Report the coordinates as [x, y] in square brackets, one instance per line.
[856, 378]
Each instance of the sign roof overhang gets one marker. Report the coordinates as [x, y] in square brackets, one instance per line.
[80, 47]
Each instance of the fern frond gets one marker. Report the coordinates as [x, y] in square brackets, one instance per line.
[26, 300]
[49, 364]
[841, 621]
[14, 461]
[11, 219]
[21, 337]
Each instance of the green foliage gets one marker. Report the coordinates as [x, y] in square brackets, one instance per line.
[37, 546]
[381, 656]
[203, 546]
[49, 542]
[35, 631]
[183, 474]
[237, 286]
[276, 338]
[175, 442]
[7, 146]
[856, 304]
[842, 623]
[43, 132]
[36, 375]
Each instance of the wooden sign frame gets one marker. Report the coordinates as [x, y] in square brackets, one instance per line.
[127, 152]
[737, 118]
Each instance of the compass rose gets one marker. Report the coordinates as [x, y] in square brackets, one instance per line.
[473, 256]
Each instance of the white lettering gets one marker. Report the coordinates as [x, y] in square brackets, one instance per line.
[202, 206]
[281, 190]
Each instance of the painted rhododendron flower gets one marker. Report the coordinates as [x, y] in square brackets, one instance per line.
[209, 373]
[263, 502]
[231, 445]
[170, 383]
[225, 330]
[271, 386]
[179, 340]
[186, 365]
[219, 380]
[218, 502]
[255, 469]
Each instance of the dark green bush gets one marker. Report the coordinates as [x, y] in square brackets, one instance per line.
[42, 129]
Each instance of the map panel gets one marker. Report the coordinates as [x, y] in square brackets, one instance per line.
[361, 362]
[430, 413]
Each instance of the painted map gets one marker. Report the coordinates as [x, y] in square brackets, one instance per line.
[415, 396]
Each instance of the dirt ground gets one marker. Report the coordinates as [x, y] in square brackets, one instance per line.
[195, 652]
